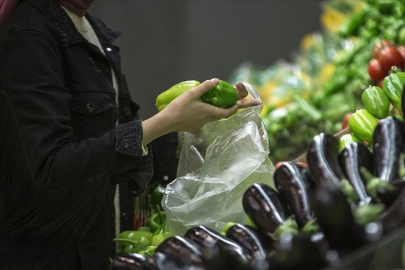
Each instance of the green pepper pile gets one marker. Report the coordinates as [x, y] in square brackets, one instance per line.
[313, 92]
[379, 103]
[145, 239]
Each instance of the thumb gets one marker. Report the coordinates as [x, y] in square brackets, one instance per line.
[205, 87]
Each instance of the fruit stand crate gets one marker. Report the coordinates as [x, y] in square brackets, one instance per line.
[386, 253]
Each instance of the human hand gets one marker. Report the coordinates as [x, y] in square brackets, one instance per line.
[192, 113]
[188, 113]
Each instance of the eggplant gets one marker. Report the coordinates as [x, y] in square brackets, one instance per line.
[249, 238]
[206, 237]
[322, 159]
[354, 156]
[336, 220]
[394, 216]
[133, 261]
[268, 210]
[388, 197]
[293, 184]
[180, 252]
[296, 252]
[388, 145]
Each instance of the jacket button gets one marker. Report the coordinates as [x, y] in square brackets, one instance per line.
[127, 111]
[90, 106]
[126, 144]
[108, 49]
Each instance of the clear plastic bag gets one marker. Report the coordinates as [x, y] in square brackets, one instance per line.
[216, 165]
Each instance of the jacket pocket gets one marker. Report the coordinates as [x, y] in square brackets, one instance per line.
[89, 103]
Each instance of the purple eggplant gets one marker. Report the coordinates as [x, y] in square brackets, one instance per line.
[296, 252]
[206, 237]
[180, 253]
[388, 145]
[133, 261]
[336, 220]
[268, 210]
[388, 197]
[354, 156]
[293, 184]
[394, 216]
[322, 159]
[251, 239]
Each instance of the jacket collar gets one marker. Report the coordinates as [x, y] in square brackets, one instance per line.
[52, 10]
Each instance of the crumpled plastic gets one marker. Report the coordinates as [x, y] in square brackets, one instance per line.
[216, 166]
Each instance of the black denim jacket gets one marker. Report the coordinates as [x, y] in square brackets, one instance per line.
[59, 87]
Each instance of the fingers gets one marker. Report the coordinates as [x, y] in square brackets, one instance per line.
[205, 87]
[241, 89]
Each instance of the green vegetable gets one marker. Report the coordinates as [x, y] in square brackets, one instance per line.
[223, 95]
[173, 92]
[156, 196]
[376, 101]
[362, 125]
[126, 246]
[159, 238]
[135, 235]
[346, 139]
[392, 86]
[227, 226]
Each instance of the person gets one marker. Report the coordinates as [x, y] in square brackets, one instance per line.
[71, 132]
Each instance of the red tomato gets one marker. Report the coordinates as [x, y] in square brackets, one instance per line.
[278, 164]
[401, 50]
[379, 46]
[302, 163]
[380, 83]
[389, 57]
[345, 121]
[375, 71]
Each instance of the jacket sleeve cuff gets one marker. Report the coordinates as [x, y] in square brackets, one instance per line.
[129, 138]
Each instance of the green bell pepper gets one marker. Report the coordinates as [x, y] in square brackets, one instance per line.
[392, 86]
[135, 235]
[159, 238]
[156, 196]
[376, 101]
[173, 92]
[346, 139]
[223, 95]
[362, 125]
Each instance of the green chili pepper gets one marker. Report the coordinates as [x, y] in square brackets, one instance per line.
[223, 95]
[158, 222]
[173, 92]
[362, 125]
[346, 139]
[352, 24]
[126, 246]
[376, 101]
[392, 86]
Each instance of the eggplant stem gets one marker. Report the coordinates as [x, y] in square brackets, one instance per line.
[349, 191]
[368, 213]
[289, 226]
[374, 183]
[311, 227]
[401, 166]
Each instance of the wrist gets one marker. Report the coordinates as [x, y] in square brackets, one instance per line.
[154, 127]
